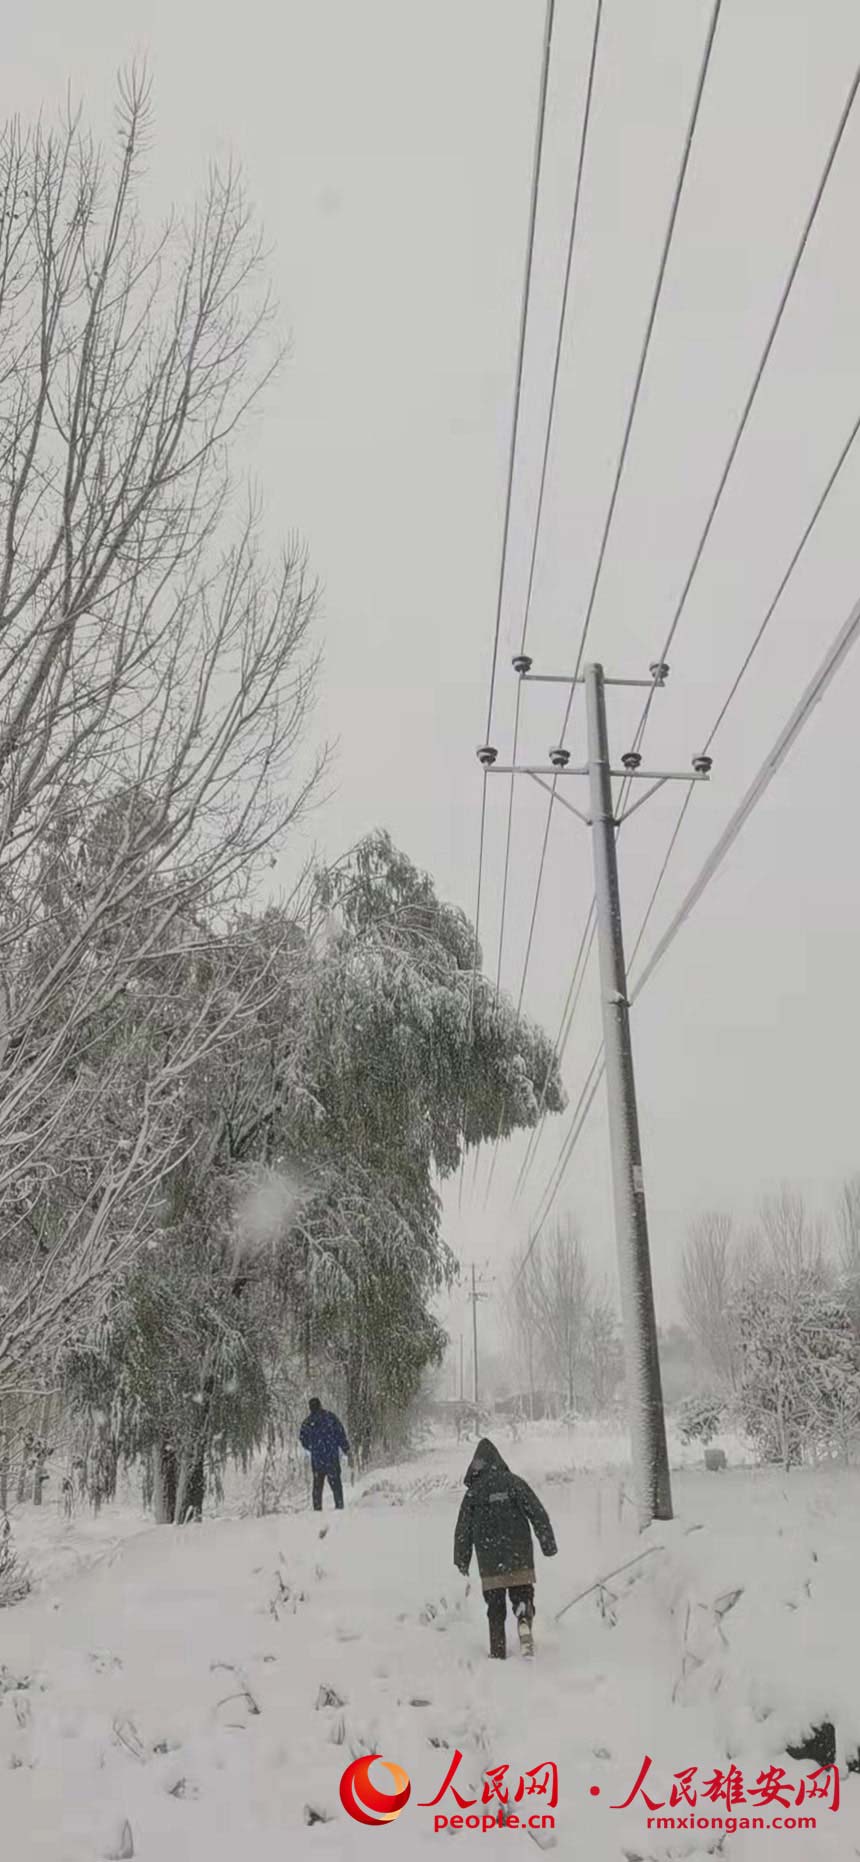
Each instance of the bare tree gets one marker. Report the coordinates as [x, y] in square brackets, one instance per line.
[154, 687]
[602, 1352]
[522, 1329]
[790, 1237]
[707, 1284]
[553, 1291]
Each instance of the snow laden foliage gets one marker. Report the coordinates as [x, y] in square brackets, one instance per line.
[781, 1311]
[799, 1390]
[300, 1230]
[699, 1417]
[14, 1577]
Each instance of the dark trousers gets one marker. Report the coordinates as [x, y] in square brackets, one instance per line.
[522, 1598]
[332, 1475]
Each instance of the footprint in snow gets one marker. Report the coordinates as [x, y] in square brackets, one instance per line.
[105, 1664]
[313, 1815]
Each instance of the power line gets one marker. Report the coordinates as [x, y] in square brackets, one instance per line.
[759, 636]
[550, 424]
[473, 976]
[561, 1040]
[628, 428]
[646, 345]
[515, 417]
[717, 499]
[580, 1111]
[748, 659]
[559, 344]
[812, 696]
[521, 346]
[756, 381]
[574, 222]
[507, 867]
[558, 1051]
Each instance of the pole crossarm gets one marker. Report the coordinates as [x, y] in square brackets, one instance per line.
[657, 776]
[566, 678]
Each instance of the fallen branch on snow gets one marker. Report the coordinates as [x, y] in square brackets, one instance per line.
[600, 1582]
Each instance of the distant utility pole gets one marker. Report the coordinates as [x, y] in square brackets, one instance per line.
[474, 1296]
[644, 1393]
[462, 1386]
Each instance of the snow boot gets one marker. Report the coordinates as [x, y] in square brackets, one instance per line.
[524, 1631]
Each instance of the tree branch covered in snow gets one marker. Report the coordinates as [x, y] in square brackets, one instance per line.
[304, 1225]
[155, 679]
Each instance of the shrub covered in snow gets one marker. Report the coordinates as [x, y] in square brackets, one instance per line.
[799, 1389]
[14, 1577]
[699, 1417]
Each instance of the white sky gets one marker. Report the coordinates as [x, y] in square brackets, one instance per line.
[389, 149]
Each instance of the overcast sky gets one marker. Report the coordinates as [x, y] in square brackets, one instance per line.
[388, 146]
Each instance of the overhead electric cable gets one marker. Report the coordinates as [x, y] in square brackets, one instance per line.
[476, 952]
[521, 347]
[625, 444]
[559, 344]
[721, 486]
[512, 450]
[756, 383]
[814, 692]
[562, 318]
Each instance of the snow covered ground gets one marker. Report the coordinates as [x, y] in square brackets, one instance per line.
[208, 1687]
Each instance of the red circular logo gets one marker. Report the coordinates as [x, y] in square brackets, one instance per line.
[363, 1801]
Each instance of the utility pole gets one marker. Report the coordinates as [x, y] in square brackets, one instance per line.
[645, 1394]
[461, 1368]
[474, 1296]
[474, 1339]
[649, 1453]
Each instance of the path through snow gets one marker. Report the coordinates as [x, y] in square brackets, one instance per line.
[209, 1686]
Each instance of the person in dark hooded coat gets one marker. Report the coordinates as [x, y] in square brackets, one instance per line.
[495, 1521]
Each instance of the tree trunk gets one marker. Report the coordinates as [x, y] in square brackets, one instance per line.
[41, 1473]
[195, 1491]
[164, 1483]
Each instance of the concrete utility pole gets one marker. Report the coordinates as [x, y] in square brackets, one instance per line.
[644, 1393]
[474, 1339]
[474, 1296]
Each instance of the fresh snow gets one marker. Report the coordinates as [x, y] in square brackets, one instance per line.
[207, 1687]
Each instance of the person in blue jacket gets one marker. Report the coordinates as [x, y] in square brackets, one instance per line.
[323, 1435]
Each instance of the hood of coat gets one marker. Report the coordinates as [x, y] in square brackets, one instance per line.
[485, 1460]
